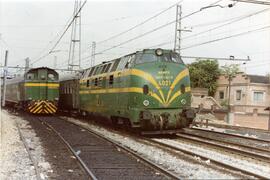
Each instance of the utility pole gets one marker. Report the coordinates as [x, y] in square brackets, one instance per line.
[177, 36]
[178, 30]
[27, 64]
[93, 53]
[4, 80]
[75, 41]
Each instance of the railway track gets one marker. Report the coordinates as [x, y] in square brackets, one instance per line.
[233, 135]
[229, 166]
[260, 154]
[102, 158]
[179, 152]
[250, 144]
[231, 127]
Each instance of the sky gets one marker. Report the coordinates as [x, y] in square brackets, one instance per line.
[31, 29]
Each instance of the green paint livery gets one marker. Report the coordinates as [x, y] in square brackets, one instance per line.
[144, 90]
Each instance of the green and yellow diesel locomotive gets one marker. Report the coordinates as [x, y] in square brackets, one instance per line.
[148, 90]
[37, 91]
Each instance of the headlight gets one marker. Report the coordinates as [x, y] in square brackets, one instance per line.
[56, 99]
[146, 103]
[159, 52]
[30, 99]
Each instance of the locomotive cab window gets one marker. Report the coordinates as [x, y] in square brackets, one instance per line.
[30, 76]
[145, 58]
[51, 77]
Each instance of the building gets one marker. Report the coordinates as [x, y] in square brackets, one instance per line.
[250, 96]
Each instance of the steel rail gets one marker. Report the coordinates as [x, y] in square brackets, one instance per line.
[37, 171]
[247, 153]
[145, 160]
[231, 143]
[234, 135]
[219, 163]
[83, 165]
[231, 127]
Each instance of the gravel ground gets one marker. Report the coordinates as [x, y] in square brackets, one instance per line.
[63, 163]
[183, 168]
[219, 155]
[15, 161]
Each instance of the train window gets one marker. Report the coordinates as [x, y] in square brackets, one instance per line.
[30, 76]
[96, 69]
[42, 77]
[115, 64]
[87, 83]
[91, 72]
[96, 81]
[51, 77]
[176, 58]
[145, 58]
[85, 73]
[123, 63]
[108, 67]
[111, 80]
[103, 68]
[130, 61]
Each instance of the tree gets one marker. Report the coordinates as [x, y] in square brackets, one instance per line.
[230, 71]
[204, 74]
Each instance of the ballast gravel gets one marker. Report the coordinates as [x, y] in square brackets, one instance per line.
[181, 167]
[228, 158]
[15, 161]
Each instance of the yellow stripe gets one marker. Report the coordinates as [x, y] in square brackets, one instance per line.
[37, 109]
[179, 77]
[40, 111]
[112, 90]
[49, 108]
[53, 85]
[52, 105]
[149, 78]
[178, 93]
[36, 104]
[122, 90]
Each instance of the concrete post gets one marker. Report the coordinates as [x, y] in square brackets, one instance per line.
[4, 80]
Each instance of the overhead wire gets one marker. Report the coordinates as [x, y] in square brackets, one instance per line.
[231, 22]
[58, 41]
[151, 31]
[226, 37]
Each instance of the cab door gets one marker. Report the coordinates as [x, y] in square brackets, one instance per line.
[43, 88]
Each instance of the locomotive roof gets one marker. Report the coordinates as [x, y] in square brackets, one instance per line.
[33, 69]
[106, 62]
